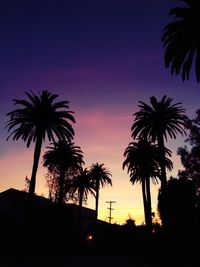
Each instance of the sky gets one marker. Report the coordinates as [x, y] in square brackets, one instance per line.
[102, 56]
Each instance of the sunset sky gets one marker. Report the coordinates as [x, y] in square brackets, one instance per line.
[103, 56]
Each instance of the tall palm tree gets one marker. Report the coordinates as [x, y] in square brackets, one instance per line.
[158, 121]
[142, 162]
[82, 185]
[36, 118]
[181, 40]
[64, 158]
[101, 177]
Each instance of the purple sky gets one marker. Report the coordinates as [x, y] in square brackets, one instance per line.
[103, 56]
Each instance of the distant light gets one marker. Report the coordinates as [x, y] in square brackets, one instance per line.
[89, 237]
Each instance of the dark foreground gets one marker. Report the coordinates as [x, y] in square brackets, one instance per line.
[98, 260]
[102, 258]
[112, 247]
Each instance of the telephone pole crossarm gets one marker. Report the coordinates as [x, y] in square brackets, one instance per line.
[110, 208]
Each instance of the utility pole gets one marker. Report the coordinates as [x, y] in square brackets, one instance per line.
[110, 208]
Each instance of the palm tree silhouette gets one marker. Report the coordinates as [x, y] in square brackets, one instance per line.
[65, 159]
[36, 118]
[158, 121]
[181, 40]
[101, 177]
[82, 185]
[142, 162]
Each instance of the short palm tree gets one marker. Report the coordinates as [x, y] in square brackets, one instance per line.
[101, 177]
[181, 40]
[36, 118]
[142, 162]
[63, 158]
[82, 185]
[158, 121]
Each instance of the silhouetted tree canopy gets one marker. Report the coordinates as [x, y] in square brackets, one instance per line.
[181, 40]
[101, 177]
[37, 118]
[64, 160]
[176, 205]
[142, 162]
[82, 185]
[158, 121]
[190, 153]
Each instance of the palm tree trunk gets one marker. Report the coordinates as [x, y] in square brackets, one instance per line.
[144, 201]
[37, 152]
[161, 147]
[149, 217]
[97, 199]
[162, 167]
[80, 209]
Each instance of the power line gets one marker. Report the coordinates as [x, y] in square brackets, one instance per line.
[110, 208]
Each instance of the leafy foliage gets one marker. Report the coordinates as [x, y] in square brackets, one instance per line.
[36, 118]
[156, 122]
[160, 118]
[63, 160]
[181, 40]
[176, 204]
[101, 176]
[40, 115]
[190, 154]
[142, 162]
[82, 185]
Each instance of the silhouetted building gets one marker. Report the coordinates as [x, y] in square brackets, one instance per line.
[45, 217]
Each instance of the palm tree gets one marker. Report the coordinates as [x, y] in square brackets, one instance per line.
[158, 121]
[101, 177]
[36, 118]
[181, 40]
[142, 162]
[82, 185]
[64, 158]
